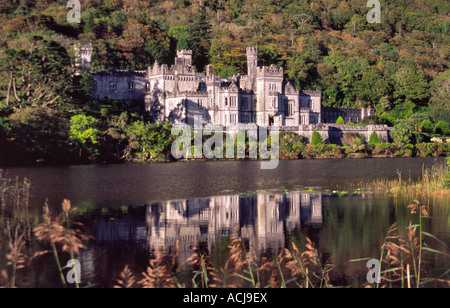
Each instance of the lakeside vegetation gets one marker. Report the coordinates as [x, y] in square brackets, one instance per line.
[400, 68]
[408, 251]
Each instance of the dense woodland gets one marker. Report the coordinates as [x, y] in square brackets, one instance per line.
[399, 67]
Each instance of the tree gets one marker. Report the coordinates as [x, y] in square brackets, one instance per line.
[411, 85]
[426, 126]
[200, 38]
[340, 120]
[374, 138]
[36, 76]
[84, 135]
[402, 134]
[440, 96]
[89, 26]
[37, 133]
[316, 138]
[442, 128]
[182, 44]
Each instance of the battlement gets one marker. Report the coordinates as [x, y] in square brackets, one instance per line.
[252, 51]
[313, 93]
[271, 71]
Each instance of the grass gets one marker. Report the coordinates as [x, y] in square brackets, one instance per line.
[433, 182]
[288, 268]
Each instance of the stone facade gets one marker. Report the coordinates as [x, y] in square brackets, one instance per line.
[331, 115]
[179, 93]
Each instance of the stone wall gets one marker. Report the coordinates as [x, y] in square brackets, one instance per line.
[332, 133]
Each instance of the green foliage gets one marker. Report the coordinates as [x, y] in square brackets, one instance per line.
[402, 134]
[442, 128]
[37, 134]
[427, 126]
[374, 138]
[316, 138]
[340, 120]
[399, 67]
[430, 149]
[37, 75]
[291, 145]
[84, 135]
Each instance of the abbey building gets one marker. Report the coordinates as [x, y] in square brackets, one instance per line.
[179, 93]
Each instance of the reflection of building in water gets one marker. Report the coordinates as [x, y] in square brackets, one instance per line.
[263, 220]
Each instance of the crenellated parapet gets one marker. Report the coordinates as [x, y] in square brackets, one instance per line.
[271, 71]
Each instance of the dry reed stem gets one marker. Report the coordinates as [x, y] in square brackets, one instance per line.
[126, 279]
[159, 273]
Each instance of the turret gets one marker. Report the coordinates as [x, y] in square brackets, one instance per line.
[252, 64]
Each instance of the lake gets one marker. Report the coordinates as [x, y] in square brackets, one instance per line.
[134, 209]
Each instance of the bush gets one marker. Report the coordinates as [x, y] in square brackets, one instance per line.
[402, 134]
[374, 138]
[442, 128]
[291, 145]
[383, 149]
[430, 149]
[316, 138]
[350, 138]
[427, 126]
[340, 120]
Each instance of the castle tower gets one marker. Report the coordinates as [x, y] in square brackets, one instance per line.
[83, 58]
[184, 58]
[252, 64]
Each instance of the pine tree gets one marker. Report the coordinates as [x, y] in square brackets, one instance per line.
[182, 44]
[89, 26]
[316, 138]
[374, 139]
[200, 39]
[340, 120]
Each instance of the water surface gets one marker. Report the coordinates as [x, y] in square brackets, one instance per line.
[135, 209]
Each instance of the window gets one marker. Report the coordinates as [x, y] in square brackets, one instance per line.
[273, 87]
[289, 107]
[131, 86]
[273, 102]
[233, 118]
[226, 101]
[112, 86]
[244, 102]
[200, 103]
[233, 101]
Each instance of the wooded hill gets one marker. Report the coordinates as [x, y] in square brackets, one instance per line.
[400, 66]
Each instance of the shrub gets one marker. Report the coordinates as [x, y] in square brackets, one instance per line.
[291, 145]
[383, 149]
[316, 138]
[374, 139]
[426, 126]
[352, 138]
[402, 134]
[442, 128]
[340, 120]
[430, 149]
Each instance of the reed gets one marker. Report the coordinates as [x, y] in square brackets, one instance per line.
[287, 268]
[432, 182]
[62, 234]
[404, 251]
